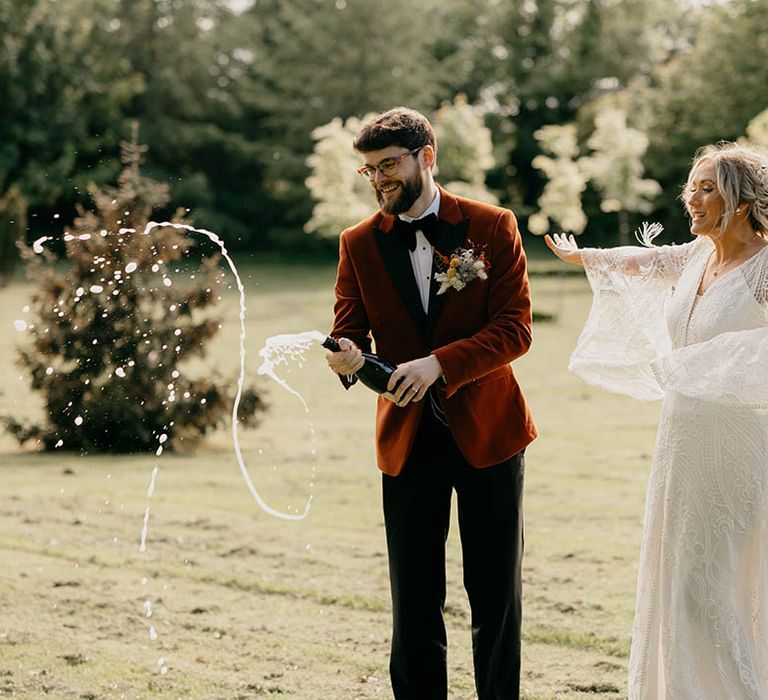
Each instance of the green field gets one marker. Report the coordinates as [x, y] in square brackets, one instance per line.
[248, 606]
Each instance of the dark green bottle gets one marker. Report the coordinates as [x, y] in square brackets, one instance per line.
[374, 373]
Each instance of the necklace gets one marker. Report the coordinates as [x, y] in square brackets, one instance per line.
[746, 252]
[711, 270]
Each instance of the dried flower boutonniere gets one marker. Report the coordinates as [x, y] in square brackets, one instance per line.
[463, 266]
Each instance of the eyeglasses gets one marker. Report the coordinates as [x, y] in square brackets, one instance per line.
[387, 166]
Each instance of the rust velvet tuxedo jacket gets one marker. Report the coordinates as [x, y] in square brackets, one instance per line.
[475, 333]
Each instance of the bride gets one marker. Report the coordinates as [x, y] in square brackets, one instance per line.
[689, 324]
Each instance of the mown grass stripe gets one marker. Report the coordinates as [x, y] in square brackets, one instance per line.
[558, 636]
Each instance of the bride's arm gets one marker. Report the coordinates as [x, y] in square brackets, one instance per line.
[655, 261]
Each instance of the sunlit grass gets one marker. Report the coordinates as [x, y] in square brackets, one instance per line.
[245, 605]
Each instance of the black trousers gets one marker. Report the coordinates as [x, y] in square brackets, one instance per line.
[417, 506]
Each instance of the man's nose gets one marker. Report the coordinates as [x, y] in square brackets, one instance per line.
[378, 176]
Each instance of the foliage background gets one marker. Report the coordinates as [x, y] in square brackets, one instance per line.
[229, 95]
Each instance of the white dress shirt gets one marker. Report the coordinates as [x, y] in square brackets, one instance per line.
[422, 255]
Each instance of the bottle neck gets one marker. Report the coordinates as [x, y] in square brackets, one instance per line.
[331, 344]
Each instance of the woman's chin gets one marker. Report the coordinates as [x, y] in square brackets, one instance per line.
[699, 231]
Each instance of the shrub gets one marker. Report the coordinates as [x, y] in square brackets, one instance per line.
[13, 224]
[108, 335]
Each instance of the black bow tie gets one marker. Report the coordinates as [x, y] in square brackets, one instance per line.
[406, 230]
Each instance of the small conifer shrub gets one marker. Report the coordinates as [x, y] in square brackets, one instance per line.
[108, 333]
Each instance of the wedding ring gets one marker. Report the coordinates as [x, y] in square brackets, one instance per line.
[414, 390]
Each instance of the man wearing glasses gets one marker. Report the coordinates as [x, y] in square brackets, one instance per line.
[455, 418]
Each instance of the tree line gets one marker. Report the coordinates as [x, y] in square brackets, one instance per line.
[232, 99]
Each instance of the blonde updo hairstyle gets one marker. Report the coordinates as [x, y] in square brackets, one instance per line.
[742, 180]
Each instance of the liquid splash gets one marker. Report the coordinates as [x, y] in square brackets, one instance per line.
[266, 368]
[151, 488]
[241, 378]
[288, 347]
[144, 530]
[280, 348]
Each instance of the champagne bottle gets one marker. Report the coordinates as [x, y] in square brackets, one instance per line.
[374, 373]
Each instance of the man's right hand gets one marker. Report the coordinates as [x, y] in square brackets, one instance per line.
[348, 360]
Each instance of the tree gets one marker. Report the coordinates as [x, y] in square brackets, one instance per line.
[561, 199]
[61, 102]
[706, 93]
[13, 224]
[537, 63]
[108, 336]
[74, 75]
[187, 58]
[757, 131]
[616, 168]
[342, 197]
[465, 149]
[320, 59]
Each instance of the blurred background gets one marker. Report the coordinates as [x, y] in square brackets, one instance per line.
[566, 111]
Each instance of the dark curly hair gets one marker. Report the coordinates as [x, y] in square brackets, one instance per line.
[400, 126]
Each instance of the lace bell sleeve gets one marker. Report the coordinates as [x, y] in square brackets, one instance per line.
[730, 368]
[626, 328]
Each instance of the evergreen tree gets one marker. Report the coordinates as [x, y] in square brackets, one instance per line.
[61, 101]
[189, 61]
[320, 59]
[108, 336]
[13, 224]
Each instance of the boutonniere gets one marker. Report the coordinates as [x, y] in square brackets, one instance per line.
[463, 266]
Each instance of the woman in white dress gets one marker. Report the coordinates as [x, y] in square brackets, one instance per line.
[689, 324]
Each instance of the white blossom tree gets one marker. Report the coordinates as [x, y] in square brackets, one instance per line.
[343, 198]
[757, 131]
[616, 168]
[465, 150]
[560, 202]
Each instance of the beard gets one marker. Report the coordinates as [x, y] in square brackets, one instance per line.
[410, 191]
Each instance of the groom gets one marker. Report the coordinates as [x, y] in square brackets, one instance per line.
[455, 418]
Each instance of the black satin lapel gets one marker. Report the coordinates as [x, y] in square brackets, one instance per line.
[398, 262]
[451, 236]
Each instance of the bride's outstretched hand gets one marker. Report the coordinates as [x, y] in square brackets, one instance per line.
[565, 247]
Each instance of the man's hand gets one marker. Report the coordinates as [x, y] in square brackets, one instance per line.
[348, 360]
[417, 376]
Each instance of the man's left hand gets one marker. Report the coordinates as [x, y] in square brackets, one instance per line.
[417, 376]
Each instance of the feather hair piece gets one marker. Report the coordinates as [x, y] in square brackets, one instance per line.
[647, 232]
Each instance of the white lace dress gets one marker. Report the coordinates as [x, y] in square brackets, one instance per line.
[701, 625]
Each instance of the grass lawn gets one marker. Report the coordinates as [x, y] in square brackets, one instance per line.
[244, 605]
